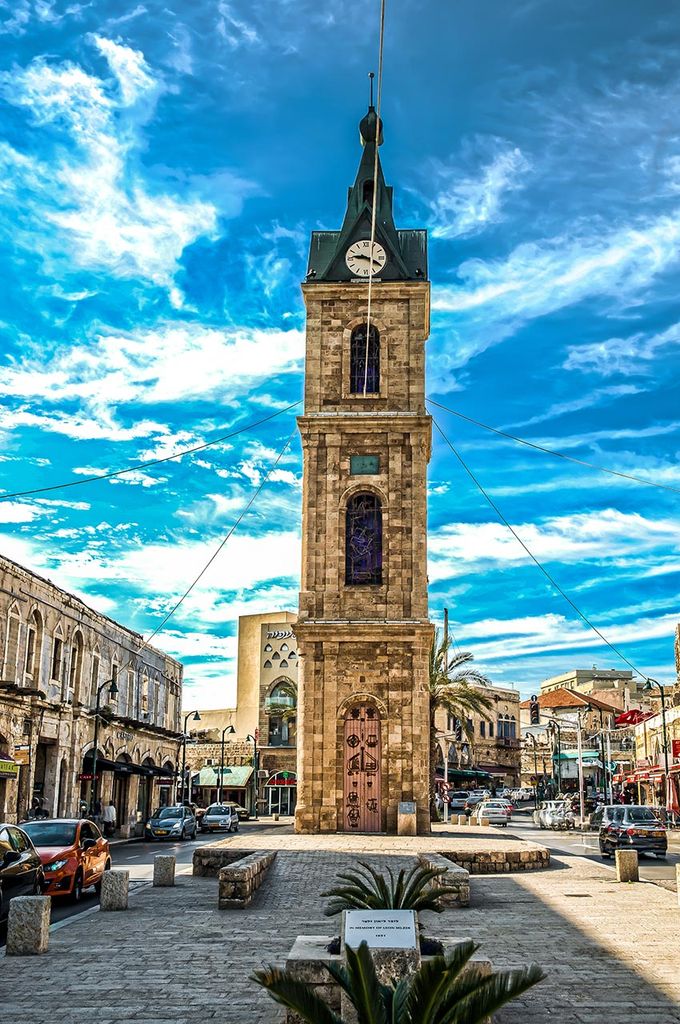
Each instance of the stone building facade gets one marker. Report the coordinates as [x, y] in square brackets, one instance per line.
[491, 745]
[618, 687]
[57, 654]
[266, 709]
[363, 630]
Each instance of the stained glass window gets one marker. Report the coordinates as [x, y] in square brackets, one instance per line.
[364, 375]
[363, 551]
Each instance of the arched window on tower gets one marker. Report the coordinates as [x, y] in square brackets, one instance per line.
[363, 540]
[368, 192]
[364, 361]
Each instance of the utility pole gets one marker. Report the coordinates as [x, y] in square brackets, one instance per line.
[580, 768]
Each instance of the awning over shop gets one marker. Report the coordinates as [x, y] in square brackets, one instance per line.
[233, 776]
[462, 773]
[104, 764]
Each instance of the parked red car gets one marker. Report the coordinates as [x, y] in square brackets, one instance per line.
[73, 852]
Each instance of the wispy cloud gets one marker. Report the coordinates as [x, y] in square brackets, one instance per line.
[624, 356]
[88, 206]
[465, 203]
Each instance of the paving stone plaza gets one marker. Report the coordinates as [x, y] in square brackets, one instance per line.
[609, 951]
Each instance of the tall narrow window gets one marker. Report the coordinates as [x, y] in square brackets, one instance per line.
[12, 644]
[94, 678]
[57, 656]
[363, 550]
[364, 372]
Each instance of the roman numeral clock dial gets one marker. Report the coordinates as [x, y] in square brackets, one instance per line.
[363, 261]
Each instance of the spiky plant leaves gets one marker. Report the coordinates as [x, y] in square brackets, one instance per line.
[367, 889]
[428, 986]
[362, 987]
[296, 995]
[476, 996]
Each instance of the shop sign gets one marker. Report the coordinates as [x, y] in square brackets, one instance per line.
[22, 754]
[9, 769]
[88, 777]
[675, 750]
[163, 782]
[123, 734]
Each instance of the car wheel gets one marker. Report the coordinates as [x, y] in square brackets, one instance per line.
[605, 854]
[236, 827]
[77, 891]
[182, 836]
[98, 886]
[39, 884]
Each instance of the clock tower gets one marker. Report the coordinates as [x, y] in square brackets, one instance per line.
[363, 632]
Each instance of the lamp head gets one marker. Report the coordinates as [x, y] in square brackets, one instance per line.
[196, 717]
[649, 685]
[251, 738]
[230, 730]
[113, 689]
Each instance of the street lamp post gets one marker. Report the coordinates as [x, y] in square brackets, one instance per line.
[647, 688]
[195, 717]
[231, 730]
[253, 740]
[113, 692]
[554, 727]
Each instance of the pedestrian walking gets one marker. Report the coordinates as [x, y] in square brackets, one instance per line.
[109, 818]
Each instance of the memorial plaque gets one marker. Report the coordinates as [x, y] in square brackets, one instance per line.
[407, 807]
[381, 929]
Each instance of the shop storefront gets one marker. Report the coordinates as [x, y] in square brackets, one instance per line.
[280, 793]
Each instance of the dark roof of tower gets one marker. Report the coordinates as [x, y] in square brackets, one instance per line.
[406, 250]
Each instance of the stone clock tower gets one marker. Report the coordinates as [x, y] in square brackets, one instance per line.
[363, 631]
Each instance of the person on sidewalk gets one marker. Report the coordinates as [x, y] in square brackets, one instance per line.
[109, 819]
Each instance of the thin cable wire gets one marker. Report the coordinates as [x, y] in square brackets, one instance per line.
[151, 462]
[221, 545]
[375, 187]
[553, 582]
[558, 455]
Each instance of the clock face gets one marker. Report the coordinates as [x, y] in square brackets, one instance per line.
[364, 262]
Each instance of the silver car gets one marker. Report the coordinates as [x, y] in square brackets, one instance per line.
[172, 823]
[496, 812]
[220, 817]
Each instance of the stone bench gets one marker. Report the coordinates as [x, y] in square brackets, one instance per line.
[211, 858]
[240, 881]
[456, 877]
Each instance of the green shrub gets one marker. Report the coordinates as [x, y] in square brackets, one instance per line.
[366, 889]
[443, 991]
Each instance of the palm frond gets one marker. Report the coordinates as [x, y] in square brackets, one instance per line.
[360, 982]
[429, 985]
[476, 996]
[296, 995]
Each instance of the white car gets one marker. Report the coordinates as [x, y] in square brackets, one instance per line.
[496, 812]
[551, 811]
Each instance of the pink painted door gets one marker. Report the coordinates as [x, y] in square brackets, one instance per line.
[361, 752]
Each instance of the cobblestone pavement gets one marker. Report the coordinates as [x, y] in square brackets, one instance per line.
[610, 951]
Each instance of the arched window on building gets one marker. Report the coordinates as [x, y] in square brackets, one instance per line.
[363, 540]
[281, 708]
[12, 644]
[364, 361]
[57, 655]
[76, 669]
[34, 637]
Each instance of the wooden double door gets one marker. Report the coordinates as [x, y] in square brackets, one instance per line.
[362, 763]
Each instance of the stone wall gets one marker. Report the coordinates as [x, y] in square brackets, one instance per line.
[240, 881]
[500, 862]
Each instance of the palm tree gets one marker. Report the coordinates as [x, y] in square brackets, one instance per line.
[452, 685]
[444, 990]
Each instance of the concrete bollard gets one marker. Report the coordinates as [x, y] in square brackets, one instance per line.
[163, 870]
[462, 819]
[28, 925]
[484, 821]
[627, 866]
[114, 894]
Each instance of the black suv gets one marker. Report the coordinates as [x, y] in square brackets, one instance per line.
[632, 827]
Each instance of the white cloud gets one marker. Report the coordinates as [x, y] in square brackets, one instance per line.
[92, 191]
[466, 205]
[538, 278]
[174, 362]
[632, 355]
[606, 534]
[586, 401]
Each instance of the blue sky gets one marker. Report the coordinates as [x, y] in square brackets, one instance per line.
[161, 168]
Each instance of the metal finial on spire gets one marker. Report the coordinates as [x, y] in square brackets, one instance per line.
[371, 76]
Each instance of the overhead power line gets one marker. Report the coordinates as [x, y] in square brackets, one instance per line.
[151, 462]
[551, 579]
[550, 451]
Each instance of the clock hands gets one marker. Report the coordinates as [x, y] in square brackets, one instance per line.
[361, 256]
